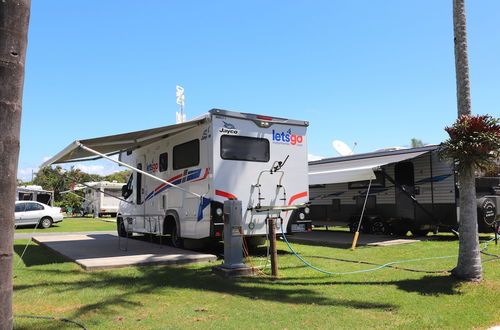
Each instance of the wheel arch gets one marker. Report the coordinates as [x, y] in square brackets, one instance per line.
[171, 218]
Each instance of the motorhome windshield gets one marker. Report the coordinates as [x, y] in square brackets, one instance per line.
[244, 148]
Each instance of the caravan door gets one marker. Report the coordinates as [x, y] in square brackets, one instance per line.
[405, 179]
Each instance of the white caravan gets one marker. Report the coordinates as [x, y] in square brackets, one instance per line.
[183, 173]
[101, 198]
[35, 193]
[408, 190]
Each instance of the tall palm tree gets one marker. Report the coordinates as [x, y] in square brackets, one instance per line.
[14, 19]
[469, 259]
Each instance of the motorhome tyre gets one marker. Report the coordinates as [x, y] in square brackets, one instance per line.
[45, 222]
[175, 238]
[120, 227]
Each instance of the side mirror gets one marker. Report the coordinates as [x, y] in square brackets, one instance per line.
[124, 191]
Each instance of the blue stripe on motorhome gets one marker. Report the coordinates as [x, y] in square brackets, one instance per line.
[187, 176]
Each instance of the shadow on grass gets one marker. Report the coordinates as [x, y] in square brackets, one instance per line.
[427, 285]
[36, 255]
[126, 286]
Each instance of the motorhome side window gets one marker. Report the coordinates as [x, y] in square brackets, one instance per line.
[244, 148]
[186, 154]
[163, 162]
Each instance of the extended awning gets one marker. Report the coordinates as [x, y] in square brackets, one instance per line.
[114, 144]
[358, 167]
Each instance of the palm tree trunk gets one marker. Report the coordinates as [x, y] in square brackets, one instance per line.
[469, 258]
[14, 18]
[469, 265]
[461, 58]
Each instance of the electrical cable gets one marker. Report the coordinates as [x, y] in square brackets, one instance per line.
[389, 264]
[52, 318]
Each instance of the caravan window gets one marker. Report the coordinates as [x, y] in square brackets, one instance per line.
[186, 154]
[244, 148]
[163, 162]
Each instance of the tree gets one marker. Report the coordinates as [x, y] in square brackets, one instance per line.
[14, 20]
[469, 259]
[415, 143]
[121, 176]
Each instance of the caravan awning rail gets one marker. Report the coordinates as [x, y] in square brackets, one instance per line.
[358, 167]
[114, 144]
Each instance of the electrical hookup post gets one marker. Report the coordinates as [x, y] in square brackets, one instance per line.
[233, 265]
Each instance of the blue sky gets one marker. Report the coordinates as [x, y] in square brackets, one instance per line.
[375, 72]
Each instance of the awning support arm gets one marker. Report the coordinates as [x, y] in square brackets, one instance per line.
[137, 170]
[411, 197]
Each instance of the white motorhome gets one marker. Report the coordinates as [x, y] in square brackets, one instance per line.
[183, 173]
[101, 198]
[35, 193]
[408, 190]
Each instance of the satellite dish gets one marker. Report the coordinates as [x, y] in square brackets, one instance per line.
[342, 148]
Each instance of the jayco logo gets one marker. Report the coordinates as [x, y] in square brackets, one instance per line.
[287, 137]
[228, 129]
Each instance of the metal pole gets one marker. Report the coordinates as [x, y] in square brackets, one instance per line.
[356, 235]
[272, 244]
[136, 170]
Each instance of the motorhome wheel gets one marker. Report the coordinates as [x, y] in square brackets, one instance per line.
[175, 239]
[120, 226]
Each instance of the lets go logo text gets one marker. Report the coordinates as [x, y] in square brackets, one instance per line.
[287, 137]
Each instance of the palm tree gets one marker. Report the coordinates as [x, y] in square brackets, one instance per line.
[469, 259]
[14, 19]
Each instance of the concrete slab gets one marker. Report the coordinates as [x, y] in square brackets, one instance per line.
[102, 251]
[343, 238]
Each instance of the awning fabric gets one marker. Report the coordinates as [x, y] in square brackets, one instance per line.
[353, 170]
[120, 142]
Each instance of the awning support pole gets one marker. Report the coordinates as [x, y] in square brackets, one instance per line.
[356, 235]
[137, 170]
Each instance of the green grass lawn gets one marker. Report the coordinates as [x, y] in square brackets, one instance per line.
[72, 225]
[163, 297]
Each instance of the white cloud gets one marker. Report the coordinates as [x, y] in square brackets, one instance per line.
[311, 157]
[98, 169]
[25, 173]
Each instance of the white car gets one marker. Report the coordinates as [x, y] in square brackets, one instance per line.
[35, 213]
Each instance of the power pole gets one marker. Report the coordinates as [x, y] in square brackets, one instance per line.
[14, 20]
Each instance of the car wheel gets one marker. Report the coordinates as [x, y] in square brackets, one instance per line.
[175, 239]
[45, 222]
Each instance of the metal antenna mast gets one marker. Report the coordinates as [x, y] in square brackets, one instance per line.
[180, 116]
